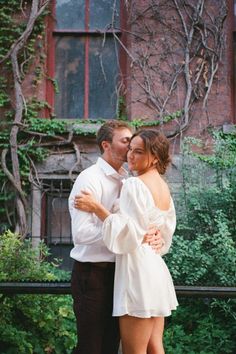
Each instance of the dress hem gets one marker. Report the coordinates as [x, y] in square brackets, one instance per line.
[134, 314]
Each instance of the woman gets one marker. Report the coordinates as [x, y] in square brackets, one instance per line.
[143, 291]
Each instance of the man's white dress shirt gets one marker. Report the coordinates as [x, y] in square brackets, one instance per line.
[105, 183]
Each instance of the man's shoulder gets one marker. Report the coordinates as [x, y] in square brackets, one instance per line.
[88, 178]
[92, 172]
[89, 169]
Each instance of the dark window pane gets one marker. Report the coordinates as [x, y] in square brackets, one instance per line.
[103, 65]
[70, 77]
[70, 14]
[62, 252]
[104, 13]
[58, 224]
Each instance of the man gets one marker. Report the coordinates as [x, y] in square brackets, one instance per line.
[93, 271]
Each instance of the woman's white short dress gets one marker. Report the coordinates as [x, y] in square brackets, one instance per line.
[143, 285]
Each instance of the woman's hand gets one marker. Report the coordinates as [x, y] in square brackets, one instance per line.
[85, 202]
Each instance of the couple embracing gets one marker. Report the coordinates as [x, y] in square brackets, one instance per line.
[121, 227]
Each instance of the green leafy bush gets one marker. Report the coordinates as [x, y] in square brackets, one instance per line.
[36, 324]
[203, 251]
[33, 323]
[205, 326]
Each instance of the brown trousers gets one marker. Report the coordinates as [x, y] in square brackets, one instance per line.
[92, 291]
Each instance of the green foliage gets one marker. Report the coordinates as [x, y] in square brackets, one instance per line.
[139, 123]
[33, 106]
[203, 251]
[121, 109]
[50, 127]
[55, 84]
[33, 323]
[4, 99]
[224, 150]
[10, 30]
[13, 19]
[36, 324]
[4, 138]
[53, 127]
[13, 23]
[204, 246]
[21, 262]
[205, 238]
[202, 326]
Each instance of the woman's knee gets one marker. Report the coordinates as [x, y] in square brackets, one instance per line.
[135, 334]
[155, 344]
[156, 348]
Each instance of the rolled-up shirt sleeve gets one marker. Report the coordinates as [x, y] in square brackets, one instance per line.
[86, 227]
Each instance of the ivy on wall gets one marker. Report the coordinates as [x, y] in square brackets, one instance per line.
[22, 26]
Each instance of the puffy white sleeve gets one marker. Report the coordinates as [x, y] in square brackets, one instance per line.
[123, 232]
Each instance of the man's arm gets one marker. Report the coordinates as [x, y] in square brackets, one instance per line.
[86, 227]
[86, 202]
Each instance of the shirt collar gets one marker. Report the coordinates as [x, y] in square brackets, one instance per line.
[110, 171]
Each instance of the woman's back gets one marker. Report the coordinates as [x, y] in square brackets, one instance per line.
[158, 188]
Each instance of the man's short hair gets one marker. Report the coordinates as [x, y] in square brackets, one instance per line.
[106, 131]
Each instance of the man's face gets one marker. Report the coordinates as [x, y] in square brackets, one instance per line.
[119, 145]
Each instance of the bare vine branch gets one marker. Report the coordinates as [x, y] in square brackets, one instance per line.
[11, 177]
[37, 8]
[78, 157]
[176, 49]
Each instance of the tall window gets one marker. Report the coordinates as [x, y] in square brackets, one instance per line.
[87, 38]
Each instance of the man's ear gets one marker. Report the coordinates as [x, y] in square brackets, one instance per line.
[105, 145]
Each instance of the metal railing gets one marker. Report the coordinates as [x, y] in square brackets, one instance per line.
[60, 288]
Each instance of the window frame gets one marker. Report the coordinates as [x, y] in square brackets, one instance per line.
[52, 185]
[52, 32]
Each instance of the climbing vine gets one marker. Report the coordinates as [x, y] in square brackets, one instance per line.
[18, 41]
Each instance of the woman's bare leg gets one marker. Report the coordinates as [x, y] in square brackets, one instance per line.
[155, 345]
[135, 334]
